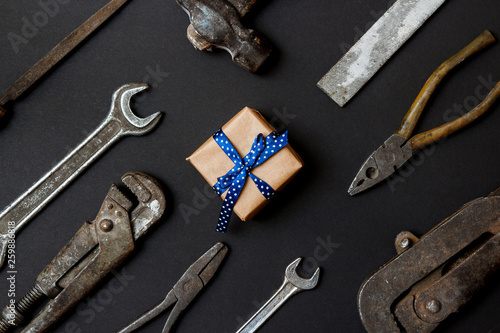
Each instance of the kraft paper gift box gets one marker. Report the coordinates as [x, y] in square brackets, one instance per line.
[212, 162]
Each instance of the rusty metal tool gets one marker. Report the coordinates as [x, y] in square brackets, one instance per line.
[120, 122]
[97, 248]
[58, 53]
[375, 48]
[185, 290]
[292, 285]
[217, 23]
[432, 277]
[399, 147]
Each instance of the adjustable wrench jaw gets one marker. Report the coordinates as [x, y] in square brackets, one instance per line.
[151, 198]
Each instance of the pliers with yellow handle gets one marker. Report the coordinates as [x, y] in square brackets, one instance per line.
[399, 148]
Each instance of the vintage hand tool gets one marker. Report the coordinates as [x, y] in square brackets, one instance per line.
[121, 121]
[375, 48]
[185, 290]
[435, 275]
[97, 248]
[399, 148]
[292, 285]
[58, 53]
[217, 23]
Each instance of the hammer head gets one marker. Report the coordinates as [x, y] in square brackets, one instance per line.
[217, 23]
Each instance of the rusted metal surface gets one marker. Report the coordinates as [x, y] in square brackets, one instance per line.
[120, 122]
[185, 290]
[97, 248]
[399, 148]
[404, 241]
[58, 53]
[435, 275]
[435, 303]
[375, 48]
[218, 23]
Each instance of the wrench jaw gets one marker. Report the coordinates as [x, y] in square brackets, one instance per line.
[292, 285]
[122, 112]
[152, 202]
[120, 121]
[301, 283]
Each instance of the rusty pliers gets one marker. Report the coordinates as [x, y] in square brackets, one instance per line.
[96, 249]
[399, 148]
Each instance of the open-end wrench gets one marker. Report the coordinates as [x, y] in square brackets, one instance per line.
[292, 285]
[121, 121]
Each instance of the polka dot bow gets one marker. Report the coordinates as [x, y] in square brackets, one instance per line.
[233, 181]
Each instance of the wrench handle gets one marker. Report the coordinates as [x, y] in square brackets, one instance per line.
[286, 291]
[20, 212]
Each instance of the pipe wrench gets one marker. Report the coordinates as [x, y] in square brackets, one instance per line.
[435, 275]
[96, 249]
[120, 121]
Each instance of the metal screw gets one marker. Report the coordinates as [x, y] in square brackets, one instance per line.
[405, 243]
[106, 225]
[433, 306]
[110, 206]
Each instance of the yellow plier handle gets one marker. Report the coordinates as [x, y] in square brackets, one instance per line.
[410, 120]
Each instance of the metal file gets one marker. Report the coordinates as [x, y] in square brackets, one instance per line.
[375, 48]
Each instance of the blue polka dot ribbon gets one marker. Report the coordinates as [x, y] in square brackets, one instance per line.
[233, 181]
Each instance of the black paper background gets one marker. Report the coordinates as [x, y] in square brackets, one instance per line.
[198, 92]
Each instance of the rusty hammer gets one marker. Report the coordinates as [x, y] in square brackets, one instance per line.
[217, 23]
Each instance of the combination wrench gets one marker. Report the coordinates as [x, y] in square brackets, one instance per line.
[120, 122]
[292, 285]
